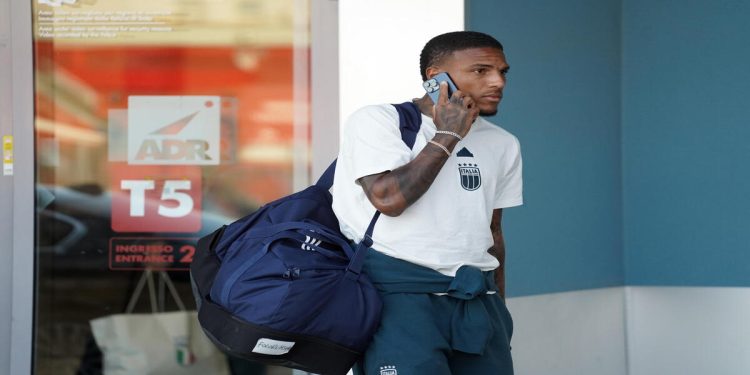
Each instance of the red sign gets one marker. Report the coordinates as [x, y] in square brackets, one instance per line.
[138, 253]
[156, 198]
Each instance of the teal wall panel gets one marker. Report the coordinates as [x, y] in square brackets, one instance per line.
[562, 101]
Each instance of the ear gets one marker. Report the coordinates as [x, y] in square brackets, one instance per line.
[432, 71]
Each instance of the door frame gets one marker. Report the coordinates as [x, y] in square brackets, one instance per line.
[17, 191]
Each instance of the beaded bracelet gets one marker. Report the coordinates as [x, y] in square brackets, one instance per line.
[460, 138]
[442, 147]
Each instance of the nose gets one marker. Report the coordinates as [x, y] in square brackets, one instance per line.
[497, 80]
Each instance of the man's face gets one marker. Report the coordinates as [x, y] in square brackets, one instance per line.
[478, 72]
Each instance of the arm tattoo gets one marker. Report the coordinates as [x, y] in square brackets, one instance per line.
[416, 177]
[392, 192]
[454, 116]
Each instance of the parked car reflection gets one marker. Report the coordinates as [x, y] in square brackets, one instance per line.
[74, 229]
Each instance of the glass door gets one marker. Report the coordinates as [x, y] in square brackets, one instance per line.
[155, 123]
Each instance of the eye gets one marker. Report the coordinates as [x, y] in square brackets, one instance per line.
[480, 70]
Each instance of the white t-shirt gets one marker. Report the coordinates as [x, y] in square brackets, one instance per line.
[449, 226]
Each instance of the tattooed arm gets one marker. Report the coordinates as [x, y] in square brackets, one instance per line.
[498, 249]
[393, 191]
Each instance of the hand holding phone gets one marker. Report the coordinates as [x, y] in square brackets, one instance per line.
[432, 86]
[458, 111]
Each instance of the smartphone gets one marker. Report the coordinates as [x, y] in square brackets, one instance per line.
[432, 86]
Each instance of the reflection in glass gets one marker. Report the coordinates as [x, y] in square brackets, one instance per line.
[156, 122]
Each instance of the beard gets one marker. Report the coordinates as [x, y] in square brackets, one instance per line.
[489, 110]
[488, 113]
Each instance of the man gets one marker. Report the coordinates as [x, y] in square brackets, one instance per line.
[439, 239]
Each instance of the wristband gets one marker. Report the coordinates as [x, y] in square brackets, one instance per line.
[460, 138]
[442, 147]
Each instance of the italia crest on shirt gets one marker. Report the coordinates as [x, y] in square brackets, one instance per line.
[471, 177]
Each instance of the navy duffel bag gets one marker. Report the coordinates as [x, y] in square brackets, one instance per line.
[283, 286]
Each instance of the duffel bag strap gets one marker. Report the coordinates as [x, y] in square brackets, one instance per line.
[326, 179]
[358, 260]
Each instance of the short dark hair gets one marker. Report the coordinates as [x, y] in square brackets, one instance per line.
[445, 44]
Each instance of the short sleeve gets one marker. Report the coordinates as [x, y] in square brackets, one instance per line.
[372, 142]
[509, 191]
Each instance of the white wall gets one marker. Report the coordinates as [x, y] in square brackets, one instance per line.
[571, 333]
[324, 84]
[633, 331]
[688, 330]
[379, 46]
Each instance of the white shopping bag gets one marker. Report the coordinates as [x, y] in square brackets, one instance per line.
[161, 343]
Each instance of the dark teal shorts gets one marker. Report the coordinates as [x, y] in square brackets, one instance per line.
[414, 338]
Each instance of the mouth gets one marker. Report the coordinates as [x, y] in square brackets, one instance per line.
[492, 98]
